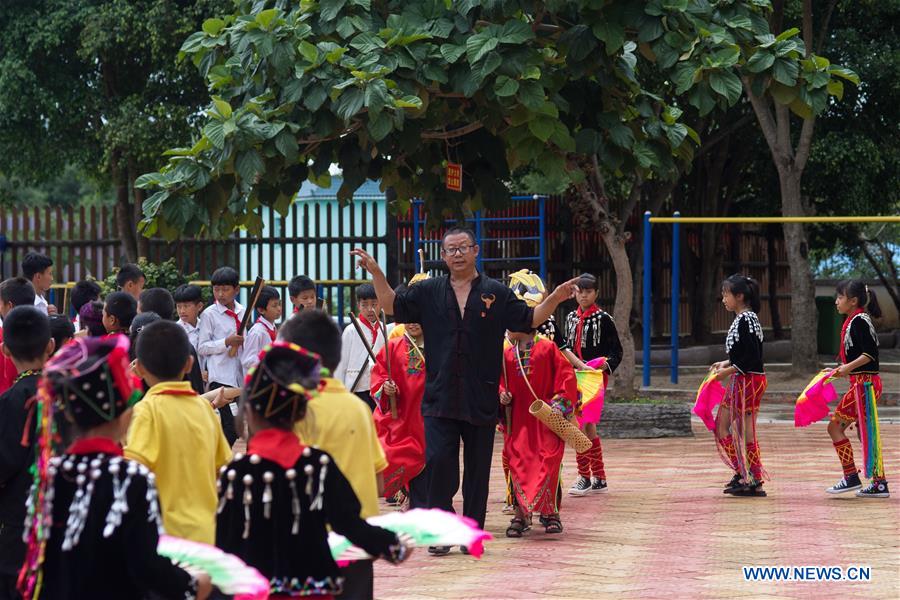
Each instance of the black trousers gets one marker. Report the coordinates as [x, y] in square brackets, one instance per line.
[442, 438]
[359, 580]
[8, 589]
[226, 417]
[418, 490]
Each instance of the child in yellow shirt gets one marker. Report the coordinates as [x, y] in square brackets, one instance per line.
[176, 434]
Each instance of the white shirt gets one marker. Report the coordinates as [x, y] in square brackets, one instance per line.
[76, 322]
[355, 358]
[193, 332]
[215, 326]
[257, 338]
[41, 304]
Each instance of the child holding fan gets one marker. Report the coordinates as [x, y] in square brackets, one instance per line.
[736, 419]
[859, 362]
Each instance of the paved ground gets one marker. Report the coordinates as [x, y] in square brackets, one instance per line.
[666, 530]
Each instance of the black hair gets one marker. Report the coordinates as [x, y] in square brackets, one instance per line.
[267, 294]
[163, 349]
[26, 331]
[83, 292]
[366, 292]
[586, 281]
[91, 315]
[225, 276]
[856, 288]
[18, 291]
[140, 321]
[35, 263]
[457, 231]
[300, 283]
[61, 329]
[315, 331]
[159, 301]
[122, 306]
[287, 369]
[187, 292]
[129, 272]
[747, 287]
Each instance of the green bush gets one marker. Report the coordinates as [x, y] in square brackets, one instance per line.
[166, 275]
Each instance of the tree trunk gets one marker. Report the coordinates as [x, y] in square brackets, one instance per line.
[624, 379]
[142, 244]
[124, 222]
[803, 292]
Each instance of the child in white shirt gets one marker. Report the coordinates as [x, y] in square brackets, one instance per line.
[263, 332]
[355, 367]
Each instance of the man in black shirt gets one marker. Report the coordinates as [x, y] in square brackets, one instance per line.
[464, 317]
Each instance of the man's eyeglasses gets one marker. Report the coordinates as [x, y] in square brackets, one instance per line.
[461, 250]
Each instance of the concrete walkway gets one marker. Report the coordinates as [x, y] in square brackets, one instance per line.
[665, 530]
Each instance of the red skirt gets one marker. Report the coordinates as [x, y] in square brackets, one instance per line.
[846, 408]
[745, 391]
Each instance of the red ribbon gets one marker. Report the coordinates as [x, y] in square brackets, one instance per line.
[844, 328]
[272, 333]
[94, 445]
[237, 321]
[579, 329]
[373, 327]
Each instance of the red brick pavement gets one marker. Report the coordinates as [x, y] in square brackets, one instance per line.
[666, 530]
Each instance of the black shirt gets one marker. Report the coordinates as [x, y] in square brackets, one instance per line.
[15, 480]
[598, 338]
[744, 343]
[860, 340]
[112, 558]
[463, 356]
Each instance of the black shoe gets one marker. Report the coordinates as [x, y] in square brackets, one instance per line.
[876, 489]
[745, 490]
[464, 549]
[581, 487]
[438, 550]
[598, 486]
[848, 484]
[735, 482]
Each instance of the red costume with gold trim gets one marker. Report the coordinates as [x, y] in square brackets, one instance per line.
[403, 438]
[533, 451]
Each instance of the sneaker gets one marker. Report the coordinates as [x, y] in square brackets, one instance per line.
[848, 484]
[438, 550]
[752, 490]
[735, 482]
[509, 509]
[876, 489]
[598, 486]
[581, 487]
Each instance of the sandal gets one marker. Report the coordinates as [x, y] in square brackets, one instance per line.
[517, 527]
[552, 524]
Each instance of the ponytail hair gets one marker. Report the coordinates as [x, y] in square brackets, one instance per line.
[747, 287]
[866, 300]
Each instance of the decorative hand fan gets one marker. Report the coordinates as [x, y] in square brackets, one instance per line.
[427, 527]
[709, 394]
[228, 572]
[592, 385]
[812, 404]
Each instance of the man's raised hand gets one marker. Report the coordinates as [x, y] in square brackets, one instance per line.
[565, 291]
[365, 261]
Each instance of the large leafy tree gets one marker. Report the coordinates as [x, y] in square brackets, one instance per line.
[94, 84]
[392, 90]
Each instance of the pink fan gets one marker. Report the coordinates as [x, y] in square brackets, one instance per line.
[812, 404]
[709, 394]
[592, 385]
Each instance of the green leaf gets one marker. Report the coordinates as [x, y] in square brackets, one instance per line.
[215, 133]
[315, 97]
[611, 33]
[212, 27]
[845, 73]
[531, 94]
[676, 134]
[505, 87]
[644, 155]
[836, 88]
[491, 62]
[377, 96]
[367, 42]
[380, 126]
[452, 52]
[588, 141]
[788, 33]
[621, 135]
[650, 29]
[248, 165]
[222, 106]
[265, 17]
[760, 61]
[350, 103]
[542, 127]
[479, 45]
[329, 9]
[309, 52]
[515, 32]
[801, 109]
[531, 72]
[739, 22]
[286, 143]
[727, 84]
[408, 102]
[782, 94]
[785, 71]
[151, 205]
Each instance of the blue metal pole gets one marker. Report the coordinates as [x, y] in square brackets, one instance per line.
[415, 220]
[340, 305]
[647, 290]
[479, 262]
[542, 227]
[676, 292]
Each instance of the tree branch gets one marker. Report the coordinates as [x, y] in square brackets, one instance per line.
[823, 27]
[722, 133]
[764, 117]
[805, 143]
[808, 26]
[455, 133]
